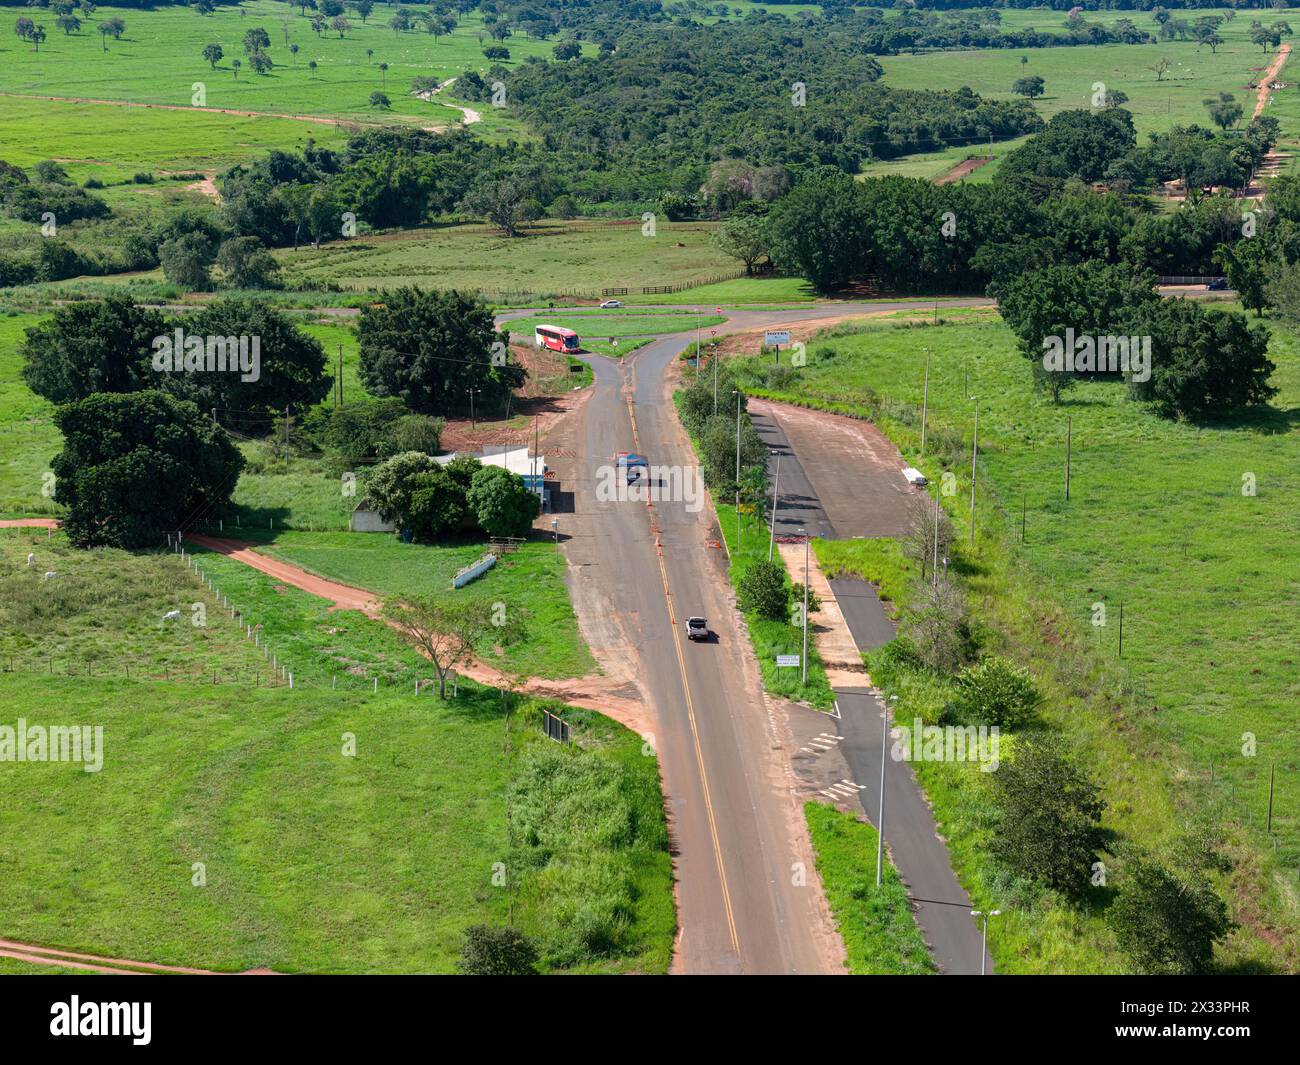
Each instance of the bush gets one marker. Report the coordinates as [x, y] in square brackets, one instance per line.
[1050, 815]
[501, 503]
[996, 692]
[414, 432]
[763, 591]
[392, 484]
[1167, 922]
[438, 505]
[492, 951]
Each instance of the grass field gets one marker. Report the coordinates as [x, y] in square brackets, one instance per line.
[316, 861]
[31, 439]
[552, 259]
[1156, 519]
[159, 61]
[530, 580]
[879, 561]
[880, 934]
[1071, 75]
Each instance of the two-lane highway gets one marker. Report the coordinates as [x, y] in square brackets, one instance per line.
[748, 900]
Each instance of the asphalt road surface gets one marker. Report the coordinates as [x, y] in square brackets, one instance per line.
[637, 571]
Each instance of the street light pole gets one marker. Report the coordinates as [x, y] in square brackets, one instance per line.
[925, 398]
[984, 940]
[880, 816]
[737, 392]
[472, 423]
[804, 656]
[776, 491]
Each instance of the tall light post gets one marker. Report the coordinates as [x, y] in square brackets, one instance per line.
[472, 423]
[776, 492]
[737, 393]
[925, 398]
[805, 605]
[984, 940]
[880, 815]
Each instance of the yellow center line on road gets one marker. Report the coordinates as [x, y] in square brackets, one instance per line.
[690, 704]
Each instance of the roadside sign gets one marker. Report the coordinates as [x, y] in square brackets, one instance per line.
[776, 337]
[786, 660]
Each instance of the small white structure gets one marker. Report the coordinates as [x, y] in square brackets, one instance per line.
[49, 575]
[172, 615]
[914, 477]
[365, 520]
[518, 460]
[470, 572]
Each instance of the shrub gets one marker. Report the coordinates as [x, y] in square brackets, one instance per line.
[763, 591]
[490, 951]
[502, 504]
[1050, 815]
[1167, 921]
[997, 692]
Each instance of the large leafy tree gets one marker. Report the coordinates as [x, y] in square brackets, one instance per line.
[817, 230]
[431, 349]
[1202, 362]
[92, 346]
[291, 372]
[136, 464]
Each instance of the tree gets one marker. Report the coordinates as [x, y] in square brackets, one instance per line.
[490, 951]
[567, 50]
[247, 263]
[762, 590]
[1167, 921]
[318, 24]
[290, 370]
[507, 202]
[69, 24]
[438, 504]
[213, 54]
[1050, 814]
[997, 692]
[24, 27]
[379, 100]
[938, 626]
[1247, 264]
[187, 260]
[293, 51]
[1029, 87]
[37, 36]
[392, 485]
[431, 348]
[363, 8]
[91, 346]
[340, 25]
[1202, 362]
[501, 503]
[235, 64]
[117, 27]
[256, 40]
[817, 230]
[260, 62]
[1224, 111]
[383, 74]
[447, 629]
[744, 237]
[134, 465]
[496, 52]
[311, 67]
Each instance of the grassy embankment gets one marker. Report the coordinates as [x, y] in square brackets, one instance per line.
[1156, 519]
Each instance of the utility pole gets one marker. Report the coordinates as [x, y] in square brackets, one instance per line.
[1069, 427]
[974, 453]
[880, 810]
[935, 573]
[713, 358]
[472, 423]
[776, 493]
[925, 398]
[340, 375]
[984, 940]
[806, 540]
[738, 398]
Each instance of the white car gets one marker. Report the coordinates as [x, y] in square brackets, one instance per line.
[610, 305]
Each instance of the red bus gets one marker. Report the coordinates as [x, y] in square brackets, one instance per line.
[557, 338]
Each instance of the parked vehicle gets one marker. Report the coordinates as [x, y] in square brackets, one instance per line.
[697, 629]
[610, 305]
